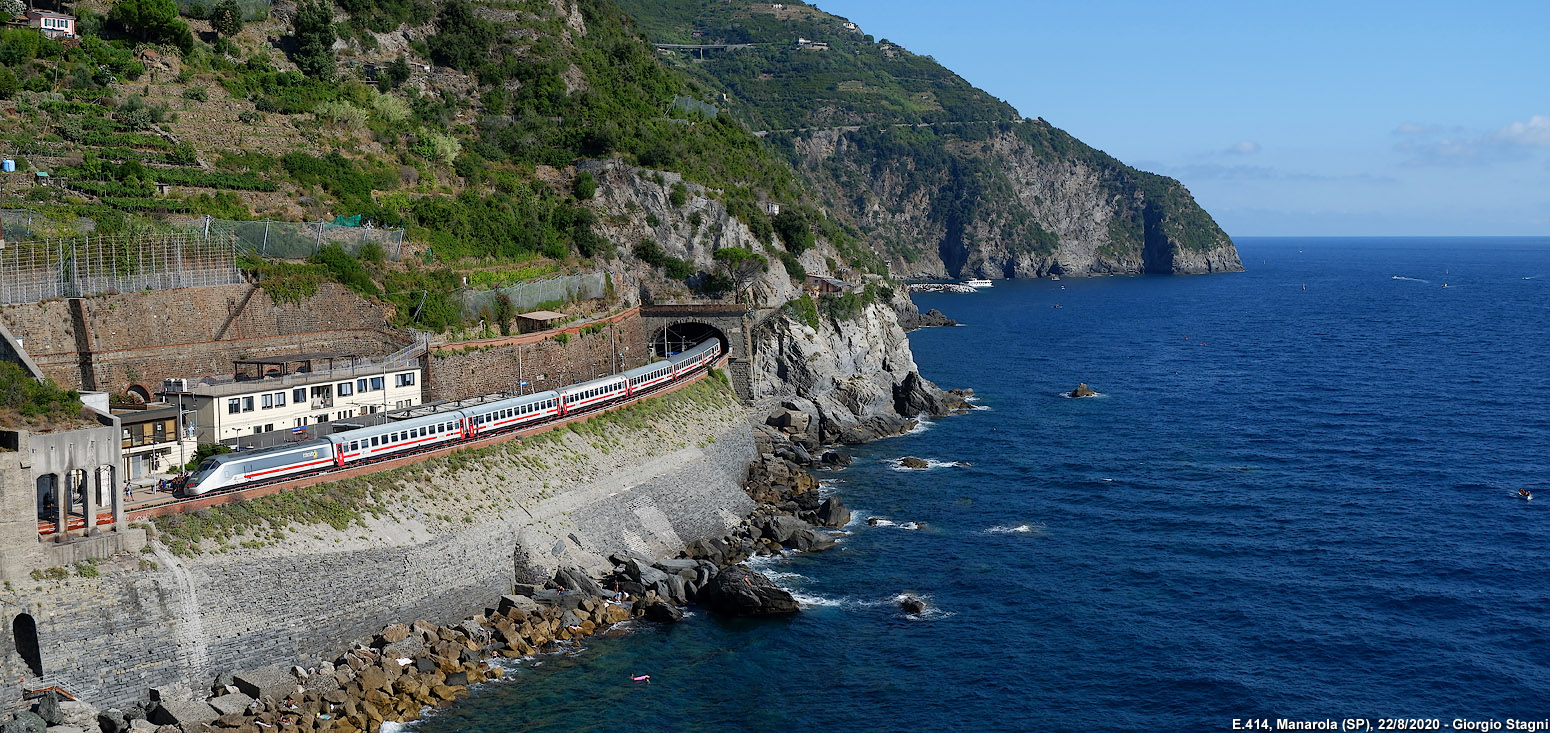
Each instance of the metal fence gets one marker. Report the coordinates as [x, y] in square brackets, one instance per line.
[71, 268]
[292, 240]
[526, 296]
[15, 224]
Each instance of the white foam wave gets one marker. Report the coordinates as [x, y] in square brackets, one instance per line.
[880, 522]
[1028, 528]
[391, 726]
[1410, 279]
[922, 424]
[897, 464]
[780, 576]
[810, 599]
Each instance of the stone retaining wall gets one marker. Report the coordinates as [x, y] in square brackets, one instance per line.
[651, 489]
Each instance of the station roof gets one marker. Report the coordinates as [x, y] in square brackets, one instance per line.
[543, 316]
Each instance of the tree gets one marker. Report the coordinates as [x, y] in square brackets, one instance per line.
[12, 8]
[462, 39]
[226, 18]
[794, 230]
[155, 21]
[741, 265]
[314, 30]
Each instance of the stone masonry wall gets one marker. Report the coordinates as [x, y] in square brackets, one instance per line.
[546, 364]
[172, 333]
[455, 542]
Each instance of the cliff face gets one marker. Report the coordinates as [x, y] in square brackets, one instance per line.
[851, 367]
[941, 178]
[1010, 199]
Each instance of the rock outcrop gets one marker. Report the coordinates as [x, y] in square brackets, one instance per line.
[738, 591]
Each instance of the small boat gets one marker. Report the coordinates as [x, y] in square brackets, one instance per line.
[1054, 277]
[1525, 495]
[978, 283]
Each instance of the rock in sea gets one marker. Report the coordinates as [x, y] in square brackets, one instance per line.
[738, 591]
[913, 462]
[1082, 390]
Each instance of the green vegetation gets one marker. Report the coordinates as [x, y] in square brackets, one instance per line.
[153, 21]
[339, 504]
[35, 401]
[314, 30]
[651, 254]
[804, 310]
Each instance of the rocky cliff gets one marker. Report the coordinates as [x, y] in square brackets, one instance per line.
[843, 360]
[940, 178]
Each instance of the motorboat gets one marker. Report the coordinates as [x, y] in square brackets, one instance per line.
[977, 283]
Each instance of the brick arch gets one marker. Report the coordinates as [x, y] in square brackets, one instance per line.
[730, 323]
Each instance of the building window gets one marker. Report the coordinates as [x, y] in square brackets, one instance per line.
[360, 385]
[376, 383]
[299, 395]
[346, 389]
[279, 399]
[247, 404]
[267, 401]
[404, 380]
[233, 406]
[301, 422]
[269, 428]
[256, 430]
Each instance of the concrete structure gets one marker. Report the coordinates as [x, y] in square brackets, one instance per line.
[225, 410]
[819, 285]
[674, 327]
[53, 25]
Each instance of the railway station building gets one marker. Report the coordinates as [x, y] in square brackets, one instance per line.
[294, 393]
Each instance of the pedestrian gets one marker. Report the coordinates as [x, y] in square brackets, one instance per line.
[128, 490]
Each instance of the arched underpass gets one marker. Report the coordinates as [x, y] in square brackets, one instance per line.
[673, 328]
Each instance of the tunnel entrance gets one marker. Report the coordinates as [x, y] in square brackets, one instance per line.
[676, 338]
[25, 631]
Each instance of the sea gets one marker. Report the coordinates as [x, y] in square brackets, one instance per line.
[1293, 499]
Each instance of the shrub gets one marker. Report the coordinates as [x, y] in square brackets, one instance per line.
[679, 195]
[226, 18]
[584, 186]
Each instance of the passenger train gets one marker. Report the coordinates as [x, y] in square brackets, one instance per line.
[366, 445]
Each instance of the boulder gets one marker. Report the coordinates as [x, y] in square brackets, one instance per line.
[665, 613]
[111, 720]
[782, 529]
[229, 704]
[15, 726]
[738, 591]
[412, 646]
[914, 396]
[809, 541]
[676, 567]
[1082, 390]
[912, 605]
[393, 634]
[835, 458]
[913, 462]
[675, 589]
[31, 722]
[522, 603]
[832, 513]
[65, 729]
[525, 589]
[141, 725]
[187, 713]
[48, 709]
[649, 576]
[576, 579]
[796, 421]
[263, 682]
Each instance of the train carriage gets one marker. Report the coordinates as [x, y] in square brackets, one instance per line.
[377, 441]
[587, 395]
[230, 470]
[511, 413]
[694, 358]
[645, 378]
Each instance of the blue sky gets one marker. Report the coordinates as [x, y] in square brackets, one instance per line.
[1309, 118]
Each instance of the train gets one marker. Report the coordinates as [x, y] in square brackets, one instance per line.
[362, 446]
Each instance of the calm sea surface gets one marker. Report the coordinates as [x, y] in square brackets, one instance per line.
[1294, 498]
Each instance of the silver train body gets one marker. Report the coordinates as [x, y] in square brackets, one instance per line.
[365, 446]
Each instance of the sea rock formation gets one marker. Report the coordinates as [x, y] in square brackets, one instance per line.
[739, 591]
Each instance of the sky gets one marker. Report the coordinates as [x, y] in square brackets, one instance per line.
[1363, 117]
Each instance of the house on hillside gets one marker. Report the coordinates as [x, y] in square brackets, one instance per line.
[819, 285]
[53, 25]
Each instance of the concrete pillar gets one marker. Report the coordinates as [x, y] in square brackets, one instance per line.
[61, 508]
[89, 502]
[115, 490]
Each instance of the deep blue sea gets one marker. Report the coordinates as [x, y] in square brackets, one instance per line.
[1294, 498]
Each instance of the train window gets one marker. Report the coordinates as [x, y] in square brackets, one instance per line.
[422, 432]
[373, 440]
[354, 445]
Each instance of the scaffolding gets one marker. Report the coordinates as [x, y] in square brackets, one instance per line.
[72, 268]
